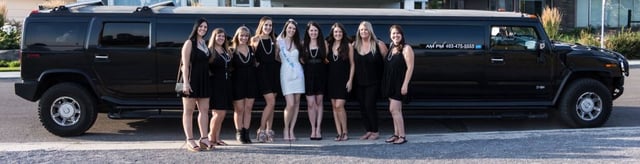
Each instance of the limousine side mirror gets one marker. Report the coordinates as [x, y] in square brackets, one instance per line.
[541, 45]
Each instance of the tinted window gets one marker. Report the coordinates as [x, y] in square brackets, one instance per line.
[173, 34]
[444, 37]
[513, 38]
[50, 36]
[125, 35]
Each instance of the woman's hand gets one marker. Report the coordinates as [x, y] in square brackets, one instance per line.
[186, 89]
[348, 86]
[404, 89]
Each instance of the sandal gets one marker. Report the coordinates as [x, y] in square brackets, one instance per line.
[400, 140]
[344, 137]
[338, 137]
[365, 136]
[374, 136]
[206, 145]
[221, 143]
[192, 146]
[391, 139]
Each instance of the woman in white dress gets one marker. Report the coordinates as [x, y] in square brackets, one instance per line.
[291, 75]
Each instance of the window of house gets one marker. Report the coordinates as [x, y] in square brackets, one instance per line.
[125, 35]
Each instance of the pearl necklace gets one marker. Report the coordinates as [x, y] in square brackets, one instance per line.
[270, 47]
[242, 58]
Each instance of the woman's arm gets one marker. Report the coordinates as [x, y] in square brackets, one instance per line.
[407, 51]
[352, 69]
[186, 64]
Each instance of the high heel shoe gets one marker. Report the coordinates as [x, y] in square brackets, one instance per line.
[270, 135]
[192, 145]
[205, 145]
[247, 137]
[261, 136]
[344, 137]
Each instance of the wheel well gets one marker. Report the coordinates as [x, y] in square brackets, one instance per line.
[52, 79]
[602, 77]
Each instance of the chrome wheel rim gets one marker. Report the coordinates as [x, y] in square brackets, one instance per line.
[65, 111]
[589, 106]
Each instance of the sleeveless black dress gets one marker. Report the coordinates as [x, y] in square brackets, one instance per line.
[315, 73]
[394, 72]
[269, 68]
[244, 76]
[338, 76]
[199, 78]
[368, 69]
[221, 84]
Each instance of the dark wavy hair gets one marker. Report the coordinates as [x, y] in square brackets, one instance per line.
[194, 33]
[402, 41]
[343, 50]
[320, 41]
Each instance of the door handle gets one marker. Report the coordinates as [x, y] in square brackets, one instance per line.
[101, 58]
[497, 60]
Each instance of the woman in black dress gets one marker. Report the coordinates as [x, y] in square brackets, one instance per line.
[263, 43]
[340, 57]
[398, 70]
[221, 93]
[244, 83]
[315, 70]
[196, 89]
[369, 52]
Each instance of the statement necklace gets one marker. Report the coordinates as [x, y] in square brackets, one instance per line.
[264, 48]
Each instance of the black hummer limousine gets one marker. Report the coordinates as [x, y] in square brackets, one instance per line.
[81, 59]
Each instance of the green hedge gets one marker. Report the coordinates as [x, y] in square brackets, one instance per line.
[625, 42]
[9, 40]
[8, 63]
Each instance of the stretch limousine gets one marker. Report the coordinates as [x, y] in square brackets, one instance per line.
[81, 59]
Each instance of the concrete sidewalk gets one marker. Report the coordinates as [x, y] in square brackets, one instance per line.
[16, 75]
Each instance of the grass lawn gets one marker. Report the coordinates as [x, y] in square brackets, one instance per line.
[9, 69]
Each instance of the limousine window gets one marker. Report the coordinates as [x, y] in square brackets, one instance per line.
[173, 34]
[445, 37]
[125, 35]
[513, 38]
[55, 36]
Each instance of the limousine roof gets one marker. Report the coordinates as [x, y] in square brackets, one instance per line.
[297, 11]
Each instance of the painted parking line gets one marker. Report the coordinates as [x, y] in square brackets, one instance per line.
[414, 138]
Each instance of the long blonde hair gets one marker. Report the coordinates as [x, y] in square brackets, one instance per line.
[236, 37]
[372, 37]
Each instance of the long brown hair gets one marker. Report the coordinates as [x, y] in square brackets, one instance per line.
[261, 24]
[319, 41]
[343, 50]
[212, 43]
[402, 41]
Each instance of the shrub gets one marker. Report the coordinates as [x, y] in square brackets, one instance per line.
[14, 63]
[551, 19]
[587, 38]
[4, 63]
[625, 42]
[9, 40]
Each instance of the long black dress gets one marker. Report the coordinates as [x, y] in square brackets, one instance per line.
[338, 76]
[199, 78]
[315, 73]
[394, 72]
[244, 76]
[221, 94]
[269, 68]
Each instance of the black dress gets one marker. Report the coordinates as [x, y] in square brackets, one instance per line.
[199, 78]
[315, 73]
[221, 94]
[244, 76]
[338, 76]
[269, 68]
[394, 72]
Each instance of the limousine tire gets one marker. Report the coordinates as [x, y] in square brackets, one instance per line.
[586, 103]
[67, 109]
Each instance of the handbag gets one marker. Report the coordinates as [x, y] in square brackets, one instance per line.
[180, 81]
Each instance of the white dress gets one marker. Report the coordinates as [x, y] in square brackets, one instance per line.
[291, 73]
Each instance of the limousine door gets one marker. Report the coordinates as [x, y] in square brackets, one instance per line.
[517, 68]
[123, 58]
